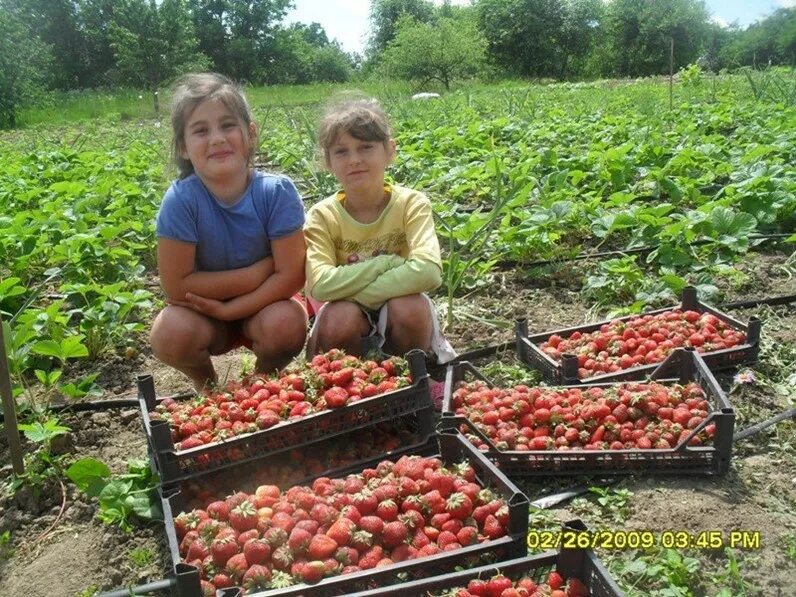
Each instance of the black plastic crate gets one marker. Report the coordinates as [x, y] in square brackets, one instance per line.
[686, 364]
[451, 447]
[316, 458]
[565, 371]
[174, 465]
[582, 564]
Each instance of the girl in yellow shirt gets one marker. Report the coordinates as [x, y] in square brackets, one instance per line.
[372, 252]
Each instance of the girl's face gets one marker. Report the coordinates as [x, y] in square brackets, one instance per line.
[216, 143]
[359, 165]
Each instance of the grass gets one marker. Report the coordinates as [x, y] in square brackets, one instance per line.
[142, 556]
[649, 96]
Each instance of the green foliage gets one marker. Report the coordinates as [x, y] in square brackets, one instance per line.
[5, 551]
[121, 497]
[443, 51]
[41, 465]
[608, 505]
[154, 42]
[637, 35]
[24, 66]
[656, 573]
[384, 18]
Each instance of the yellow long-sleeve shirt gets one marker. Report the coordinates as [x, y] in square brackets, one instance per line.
[396, 255]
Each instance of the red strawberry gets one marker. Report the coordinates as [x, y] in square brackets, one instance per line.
[342, 531]
[387, 510]
[321, 547]
[497, 584]
[243, 537]
[312, 572]
[222, 581]
[555, 580]
[218, 510]
[198, 550]
[299, 540]
[492, 528]
[576, 588]
[336, 397]
[282, 558]
[257, 551]
[347, 556]
[223, 549]
[394, 534]
[445, 538]
[372, 524]
[243, 517]
[467, 535]
[256, 578]
[236, 567]
[371, 557]
[459, 506]
[478, 587]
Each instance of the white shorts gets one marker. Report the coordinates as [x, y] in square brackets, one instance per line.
[440, 346]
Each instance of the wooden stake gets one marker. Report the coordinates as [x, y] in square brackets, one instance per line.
[9, 408]
[671, 73]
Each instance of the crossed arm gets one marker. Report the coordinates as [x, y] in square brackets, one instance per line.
[232, 294]
[374, 282]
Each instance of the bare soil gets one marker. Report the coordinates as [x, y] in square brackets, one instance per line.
[69, 552]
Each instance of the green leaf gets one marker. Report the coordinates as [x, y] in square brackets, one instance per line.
[36, 432]
[86, 472]
[727, 222]
[73, 347]
[48, 348]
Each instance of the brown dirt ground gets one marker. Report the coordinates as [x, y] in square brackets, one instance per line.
[81, 555]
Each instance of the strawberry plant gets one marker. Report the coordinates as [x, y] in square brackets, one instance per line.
[121, 498]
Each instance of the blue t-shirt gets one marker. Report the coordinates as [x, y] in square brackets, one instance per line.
[230, 236]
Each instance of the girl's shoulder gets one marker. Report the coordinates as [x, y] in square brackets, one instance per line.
[271, 180]
[185, 190]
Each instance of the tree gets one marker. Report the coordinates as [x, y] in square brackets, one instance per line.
[239, 36]
[446, 50]
[24, 66]
[155, 46]
[638, 33]
[384, 16]
[521, 34]
[302, 53]
[578, 33]
[56, 24]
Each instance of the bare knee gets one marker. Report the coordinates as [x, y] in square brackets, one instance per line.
[279, 329]
[179, 334]
[408, 312]
[342, 323]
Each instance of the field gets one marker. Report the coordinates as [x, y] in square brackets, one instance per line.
[560, 203]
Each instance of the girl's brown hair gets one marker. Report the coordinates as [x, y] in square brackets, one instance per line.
[191, 90]
[362, 118]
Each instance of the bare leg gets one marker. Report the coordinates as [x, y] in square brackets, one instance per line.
[342, 325]
[277, 333]
[408, 324]
[185, 339]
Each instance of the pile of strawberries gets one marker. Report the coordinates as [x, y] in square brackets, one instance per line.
[329, 381]
[499, 585]
[630, 415]
[643, 340]
[412, 508]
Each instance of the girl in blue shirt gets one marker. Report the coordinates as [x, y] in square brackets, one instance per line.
[230, 240]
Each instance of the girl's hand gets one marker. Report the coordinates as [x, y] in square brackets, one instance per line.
[205, 306]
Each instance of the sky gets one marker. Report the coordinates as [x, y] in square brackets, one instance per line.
[347, 20]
